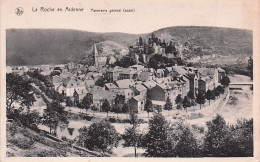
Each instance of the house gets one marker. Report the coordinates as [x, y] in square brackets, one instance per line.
[156, 93]
[137, 67]
[205, 83]
[111, 87]
[56, 81]
[113, 74]
[73, 84]
[128, 74]
[20, 69]
[221, 74]
[160, 73]
[9, 69]
[99, 96]
[137, 103]
[209, 72]
[128, 93]
[140, 89]
[66, 74]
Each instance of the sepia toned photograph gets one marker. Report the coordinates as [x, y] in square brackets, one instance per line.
[176, 92]
[168, 91]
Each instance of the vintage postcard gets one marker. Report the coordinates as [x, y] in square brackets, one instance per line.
[165, 80]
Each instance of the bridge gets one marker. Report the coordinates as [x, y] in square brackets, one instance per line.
[241, 86]
[241, 83]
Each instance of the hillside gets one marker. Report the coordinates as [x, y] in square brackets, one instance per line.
[222, 41]
[53, 46]
[24, 142]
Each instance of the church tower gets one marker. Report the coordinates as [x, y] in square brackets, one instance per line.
[95, 53]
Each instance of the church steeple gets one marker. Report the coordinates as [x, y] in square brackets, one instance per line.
[95, 53]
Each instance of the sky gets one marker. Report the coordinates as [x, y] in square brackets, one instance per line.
[148, 15]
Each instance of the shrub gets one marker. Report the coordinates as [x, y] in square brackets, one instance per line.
[198, 128]
[46, 153]
[22, 143]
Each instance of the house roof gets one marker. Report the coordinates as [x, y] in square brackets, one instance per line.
[220, 70]
[115, 69]
[163, 80]
[206, 71]
[125, 83]
[128, 71]
[92, 68]
[138, 98]
[103, 94]
[73, 82]
[149, 84]
[180, 70]
[206, 79]
[110, 86]
[56, 79]
[140, 88]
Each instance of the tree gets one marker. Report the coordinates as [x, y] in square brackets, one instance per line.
[187, 145]
[250, 67]
[106, 106]
[132, 135]
[178, 102]
[159, 139]
[168, 105]
[69, 102]
[93, 108]
[126, 61]
[18, 90]
[140, 41]
[191, 95]
[209, 96]
[239, 142]
[100, 136]
[125, 109]
[225, 81]
[119, 100]
[216, 92]
[100, 82]
[200, 98]
[86, 102]
[186, 103]
[220, 89]
[178, 99]
[54, 114]
[214, 144]
[31, 119]
[193, 103]
[75, 98]
[148, 107]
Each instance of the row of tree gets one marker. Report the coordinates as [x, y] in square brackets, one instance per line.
[164, 139]
[220, 140]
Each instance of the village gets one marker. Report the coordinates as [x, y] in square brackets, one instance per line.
[131, 86]
[150, 78]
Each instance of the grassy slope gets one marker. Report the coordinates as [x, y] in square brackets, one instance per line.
[41, 147]
[52, 46]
